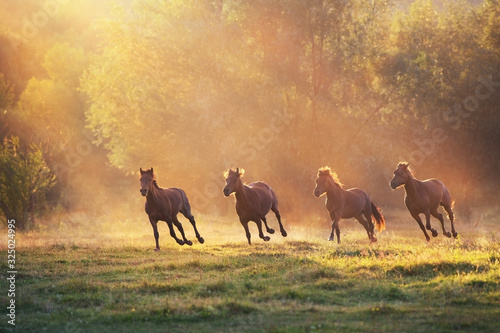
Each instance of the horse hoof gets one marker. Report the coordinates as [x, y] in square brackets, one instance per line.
[447, 234]
[157, 249]
[188, 242]
[266, 238]
[455, 235]
[201, 240]
[434, 233]
[283, 233]
[271, 231]
[330, 239]
[373, 240]
[180, 242]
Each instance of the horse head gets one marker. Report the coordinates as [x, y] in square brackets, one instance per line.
[233, 178]
[325, 176]
[401, 175]
[147, 178]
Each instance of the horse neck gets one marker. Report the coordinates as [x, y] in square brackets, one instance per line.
[333, 190]
[152, 193]
[241, 193]
[411, 186]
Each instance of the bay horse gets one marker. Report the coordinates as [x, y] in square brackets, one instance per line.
[424, 197]
[253, 202]
[347, 204]
[164, 204]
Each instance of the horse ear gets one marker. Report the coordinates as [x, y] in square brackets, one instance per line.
[403, 165]
[142, 172]
[152, 173]
[238, 171]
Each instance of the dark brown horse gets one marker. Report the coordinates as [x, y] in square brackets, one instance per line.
[253, 202]
[164, 204]
[424, 197]
[347, 204]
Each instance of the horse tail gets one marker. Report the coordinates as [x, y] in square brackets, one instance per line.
[379, 218]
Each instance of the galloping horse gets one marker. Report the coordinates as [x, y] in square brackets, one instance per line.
[253, 202]
[347, 204]
[424, 197]
[164, 204]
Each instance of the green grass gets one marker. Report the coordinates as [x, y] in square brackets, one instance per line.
[77, 281]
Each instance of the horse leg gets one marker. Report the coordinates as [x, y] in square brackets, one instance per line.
[154, 224]
[261, 234]
[244, 223]
[193, 223]
[419, 220]
[178, 224]
[371, 226]
[447, 208]
[335, 227]
[269, 230]
[368, 227]
[172, 232]
[337, 231]
[275, 210]
[428, 224]
[439, 216]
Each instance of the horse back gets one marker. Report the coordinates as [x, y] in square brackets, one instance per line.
[436, 190]
[178, 199]
[356, 200]
[264, 191]
[263, 195]
[430, 193]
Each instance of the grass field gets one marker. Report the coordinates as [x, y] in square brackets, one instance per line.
[106, 278]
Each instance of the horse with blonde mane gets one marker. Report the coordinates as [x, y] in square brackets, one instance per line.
[253, 202]
[424, 197]
[347, 204]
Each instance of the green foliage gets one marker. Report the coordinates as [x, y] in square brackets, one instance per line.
[6, 94]
[206, 69]
[24, 180]
[52, 106]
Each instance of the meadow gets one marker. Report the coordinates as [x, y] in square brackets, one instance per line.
[105, 277]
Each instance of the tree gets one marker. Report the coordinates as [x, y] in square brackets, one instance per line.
[53, 106]
[6, 94]
[6, 101]
[24, 180]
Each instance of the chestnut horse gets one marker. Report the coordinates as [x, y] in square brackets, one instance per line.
[424, 197]
[347, 204]
[164, 204]
[253, 202]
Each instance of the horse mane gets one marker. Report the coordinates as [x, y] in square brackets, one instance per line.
[155, 184]
[239, 172]
[406, 165]
[327, 171]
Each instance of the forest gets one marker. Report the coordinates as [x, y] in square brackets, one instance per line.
[90, 91]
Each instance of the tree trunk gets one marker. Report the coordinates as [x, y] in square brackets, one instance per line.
[32, 209]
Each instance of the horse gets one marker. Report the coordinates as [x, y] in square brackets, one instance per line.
[253, 202]
[424, 197]
[347, 204]
[164, 204]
